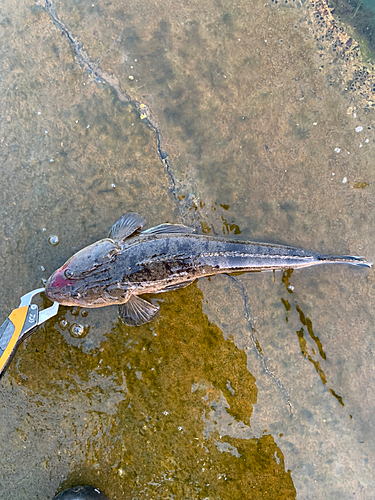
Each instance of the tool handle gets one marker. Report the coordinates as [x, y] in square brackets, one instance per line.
[13, 331]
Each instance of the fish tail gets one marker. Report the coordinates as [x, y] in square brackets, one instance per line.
[346, 259]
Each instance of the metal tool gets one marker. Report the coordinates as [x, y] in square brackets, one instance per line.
[20, 324]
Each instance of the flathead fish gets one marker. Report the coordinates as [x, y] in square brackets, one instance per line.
[132, 262]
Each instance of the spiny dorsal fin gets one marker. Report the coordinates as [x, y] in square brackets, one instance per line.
[126, 226]
[169, 228]
[137, 311]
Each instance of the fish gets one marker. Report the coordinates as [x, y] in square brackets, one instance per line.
[131, 262]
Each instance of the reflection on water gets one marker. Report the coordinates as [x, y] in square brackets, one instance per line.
[256, 344]
[307, 323]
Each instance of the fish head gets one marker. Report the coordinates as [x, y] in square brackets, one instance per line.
[85, 279]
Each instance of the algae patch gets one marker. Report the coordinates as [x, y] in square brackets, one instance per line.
[160, 410]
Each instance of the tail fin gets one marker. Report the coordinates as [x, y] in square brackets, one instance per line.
[347, 259]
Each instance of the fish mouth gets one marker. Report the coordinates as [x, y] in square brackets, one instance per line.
[51, 289]
[59, 290]
[68, 293]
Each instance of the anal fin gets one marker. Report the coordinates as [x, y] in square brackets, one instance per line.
[137, 311]
[177, 286]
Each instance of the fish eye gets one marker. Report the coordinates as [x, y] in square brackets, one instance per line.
[68, 273]
[76, 295]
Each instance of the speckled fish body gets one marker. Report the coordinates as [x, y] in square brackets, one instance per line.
[147, 264]
[117, 269]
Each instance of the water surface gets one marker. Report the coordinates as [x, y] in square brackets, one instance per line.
[240, 118]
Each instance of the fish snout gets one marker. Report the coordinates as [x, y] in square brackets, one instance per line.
[57, 287]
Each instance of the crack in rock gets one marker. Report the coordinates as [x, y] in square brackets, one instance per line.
[255, 343]
[112, 81]
[145, 114]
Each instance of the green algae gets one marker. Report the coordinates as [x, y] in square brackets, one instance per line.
[361, 20]
[180, 383]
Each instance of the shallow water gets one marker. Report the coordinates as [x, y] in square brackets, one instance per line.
[239, 118]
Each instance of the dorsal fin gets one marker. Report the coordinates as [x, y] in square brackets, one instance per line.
[169, 228]
[126, 226]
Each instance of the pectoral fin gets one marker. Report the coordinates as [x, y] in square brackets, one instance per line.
[169, 228]
[137, 311]
[126, 226]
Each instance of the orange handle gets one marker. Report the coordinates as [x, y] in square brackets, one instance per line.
[10, 332]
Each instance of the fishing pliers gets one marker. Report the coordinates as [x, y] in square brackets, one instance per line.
[20, 324]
